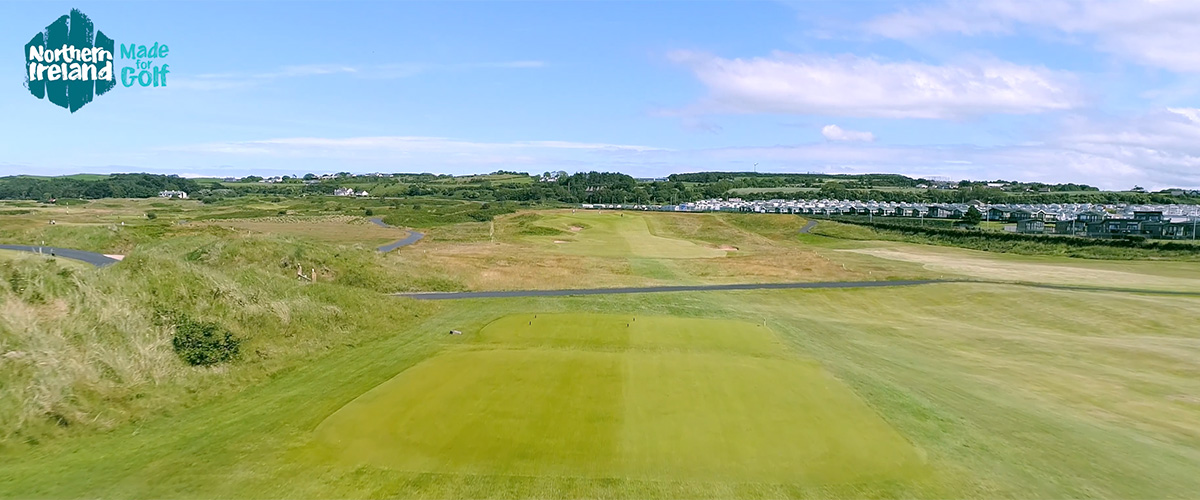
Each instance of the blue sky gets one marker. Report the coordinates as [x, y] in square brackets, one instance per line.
[1102, 92]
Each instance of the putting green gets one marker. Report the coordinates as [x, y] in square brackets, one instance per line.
[596, 396]
[616, 235]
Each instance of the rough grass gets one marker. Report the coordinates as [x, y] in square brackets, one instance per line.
[513, 252]
[1178, 276]
[343, 229]
[82, 350]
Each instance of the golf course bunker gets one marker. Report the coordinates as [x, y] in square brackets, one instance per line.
[593, 395]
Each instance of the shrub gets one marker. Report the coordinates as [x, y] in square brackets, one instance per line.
[203, 343]
[369, 212]
[151, 215]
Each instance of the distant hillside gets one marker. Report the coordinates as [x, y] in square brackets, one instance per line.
[91, 186]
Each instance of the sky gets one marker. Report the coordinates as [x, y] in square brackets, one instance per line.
[1099, 92]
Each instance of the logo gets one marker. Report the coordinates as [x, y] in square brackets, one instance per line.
[70, 63]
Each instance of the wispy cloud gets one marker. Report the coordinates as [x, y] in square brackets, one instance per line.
[235, 80]
[1160, 149]
[867, 87]
[1157, 33]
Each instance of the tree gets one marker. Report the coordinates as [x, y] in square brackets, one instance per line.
[309, 177]
[972, 217]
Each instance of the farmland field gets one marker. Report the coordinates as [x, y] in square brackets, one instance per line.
[955, 390]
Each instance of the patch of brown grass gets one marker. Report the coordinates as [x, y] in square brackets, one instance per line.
[344, 229]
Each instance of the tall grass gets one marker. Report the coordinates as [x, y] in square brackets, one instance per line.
[83, 349]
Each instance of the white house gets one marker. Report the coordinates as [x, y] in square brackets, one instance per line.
[173, 194]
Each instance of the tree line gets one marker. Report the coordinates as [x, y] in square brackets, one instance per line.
[113, 186]
[587, 187]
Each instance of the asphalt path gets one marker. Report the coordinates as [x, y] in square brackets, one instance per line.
[413, 237]
[663, 289]
[808, 227]
[93, 258]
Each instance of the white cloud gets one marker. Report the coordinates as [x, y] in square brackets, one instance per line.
[1192, 114]
[1156, 150]
[866, 87]
[1157, 33]
[836, 133]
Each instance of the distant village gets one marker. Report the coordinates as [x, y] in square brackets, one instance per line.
[1078, 219]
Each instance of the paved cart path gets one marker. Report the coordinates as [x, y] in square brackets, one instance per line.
[413, 237]
[808, 227]
[93, 258]
[661, 289]
[766, 286]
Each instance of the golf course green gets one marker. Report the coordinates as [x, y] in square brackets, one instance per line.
[598, 395]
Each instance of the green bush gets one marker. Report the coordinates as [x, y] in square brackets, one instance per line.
[369, 212]
[202, 343]
[151, 215]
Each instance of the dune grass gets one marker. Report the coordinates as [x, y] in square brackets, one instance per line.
[84, 349]
[342, 229]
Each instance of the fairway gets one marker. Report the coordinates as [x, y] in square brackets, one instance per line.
[617, 235]
[591, 395]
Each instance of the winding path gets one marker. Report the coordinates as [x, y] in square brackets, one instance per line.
[768, 286]
[808, 227]
[93, 258]
[662, 289]
[412, 237]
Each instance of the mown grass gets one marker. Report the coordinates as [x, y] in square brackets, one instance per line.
[648, 397]
[1003, 394]
[612, 235]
